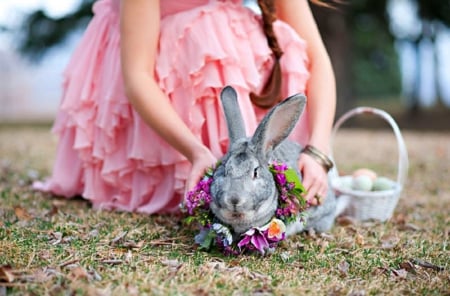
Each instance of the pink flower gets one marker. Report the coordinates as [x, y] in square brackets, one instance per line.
[263, 238]
[254, 238]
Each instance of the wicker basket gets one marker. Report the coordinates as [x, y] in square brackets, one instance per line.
[368, 205]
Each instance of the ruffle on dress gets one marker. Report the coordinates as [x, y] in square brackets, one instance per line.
[108, 155]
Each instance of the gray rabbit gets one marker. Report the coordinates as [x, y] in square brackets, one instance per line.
[244, 193]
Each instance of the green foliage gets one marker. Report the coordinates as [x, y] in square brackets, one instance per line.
[292, 177]
[375, 62]
[209, 239]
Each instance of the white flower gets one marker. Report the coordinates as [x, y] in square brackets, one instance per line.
[276, 228]
[226, 233]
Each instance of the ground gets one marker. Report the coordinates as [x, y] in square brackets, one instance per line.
[54, 246]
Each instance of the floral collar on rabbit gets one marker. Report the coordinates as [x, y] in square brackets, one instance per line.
[265, 238]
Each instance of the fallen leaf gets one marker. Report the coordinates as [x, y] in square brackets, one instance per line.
[128, 256]
[69, 262]
[52, 212]
[425, 264]
[343, 267]
[236, 262]
[55, 238]
[59, 202]
[323, 246]
[132, 244]
[68, 239]
[335, 291]
[173, 265]
[6, 274]
[264, 291]
[408, 226]
[119, 238]
[380, 270]
[357, 293]
[327, 236]
[95, 275]
[299, 246]
[112, 261]
[201, 292]
[408, 266]
[255, 275]
[359, 240]
[48, 271]
[399, 219]
[345, 221]
[389, 241]
[79, 272]
[400, 274]
[22, 214]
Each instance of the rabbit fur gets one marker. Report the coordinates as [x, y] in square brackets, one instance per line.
[244, 193]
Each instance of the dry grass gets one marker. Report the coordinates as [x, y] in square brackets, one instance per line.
[51, 246]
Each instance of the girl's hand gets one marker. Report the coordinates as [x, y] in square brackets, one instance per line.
[315, 179]
[201, 161]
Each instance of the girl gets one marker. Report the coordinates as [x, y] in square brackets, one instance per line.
[140, 118]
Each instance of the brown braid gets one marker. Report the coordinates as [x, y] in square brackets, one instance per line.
[271, 93]
[268, 16]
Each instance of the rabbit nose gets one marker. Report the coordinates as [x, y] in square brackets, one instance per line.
[234, 200]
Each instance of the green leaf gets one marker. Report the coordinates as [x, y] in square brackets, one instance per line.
[208, 240]
[188, 220]
[291, 176]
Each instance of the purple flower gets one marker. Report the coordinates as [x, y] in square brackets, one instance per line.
[280, 167]
[265, 238]
[254, 238]
[280, 179]
[200, 196]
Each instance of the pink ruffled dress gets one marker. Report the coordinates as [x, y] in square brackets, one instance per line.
[108, 155]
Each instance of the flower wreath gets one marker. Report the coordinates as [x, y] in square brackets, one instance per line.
[214, 233]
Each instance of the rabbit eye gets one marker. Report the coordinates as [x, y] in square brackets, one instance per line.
[255, 173]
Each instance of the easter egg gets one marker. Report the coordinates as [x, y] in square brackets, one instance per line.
[362, 182]
[382, 183]
[346, 183]
[365, 172]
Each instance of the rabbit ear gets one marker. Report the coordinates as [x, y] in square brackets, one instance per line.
[278, 123]
[235, 123]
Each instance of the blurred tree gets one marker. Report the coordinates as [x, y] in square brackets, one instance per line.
[362, 50]
[433, 16]
[42, 32]
[356, 33]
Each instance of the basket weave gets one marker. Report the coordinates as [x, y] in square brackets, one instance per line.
[368, 205]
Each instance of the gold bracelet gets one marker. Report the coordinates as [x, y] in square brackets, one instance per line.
[320, 157]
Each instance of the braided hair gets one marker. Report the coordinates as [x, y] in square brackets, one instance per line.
[271, 93]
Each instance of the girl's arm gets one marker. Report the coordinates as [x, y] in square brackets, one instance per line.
[321, 85]
[139, 28]
[321, 90]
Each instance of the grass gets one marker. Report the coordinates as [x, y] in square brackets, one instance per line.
[54, 246]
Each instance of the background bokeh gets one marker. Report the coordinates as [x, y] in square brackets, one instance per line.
[393, 54]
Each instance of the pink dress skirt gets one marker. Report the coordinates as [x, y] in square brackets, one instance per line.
[108, 155]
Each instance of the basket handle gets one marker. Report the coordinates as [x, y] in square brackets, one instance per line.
[403, 154]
